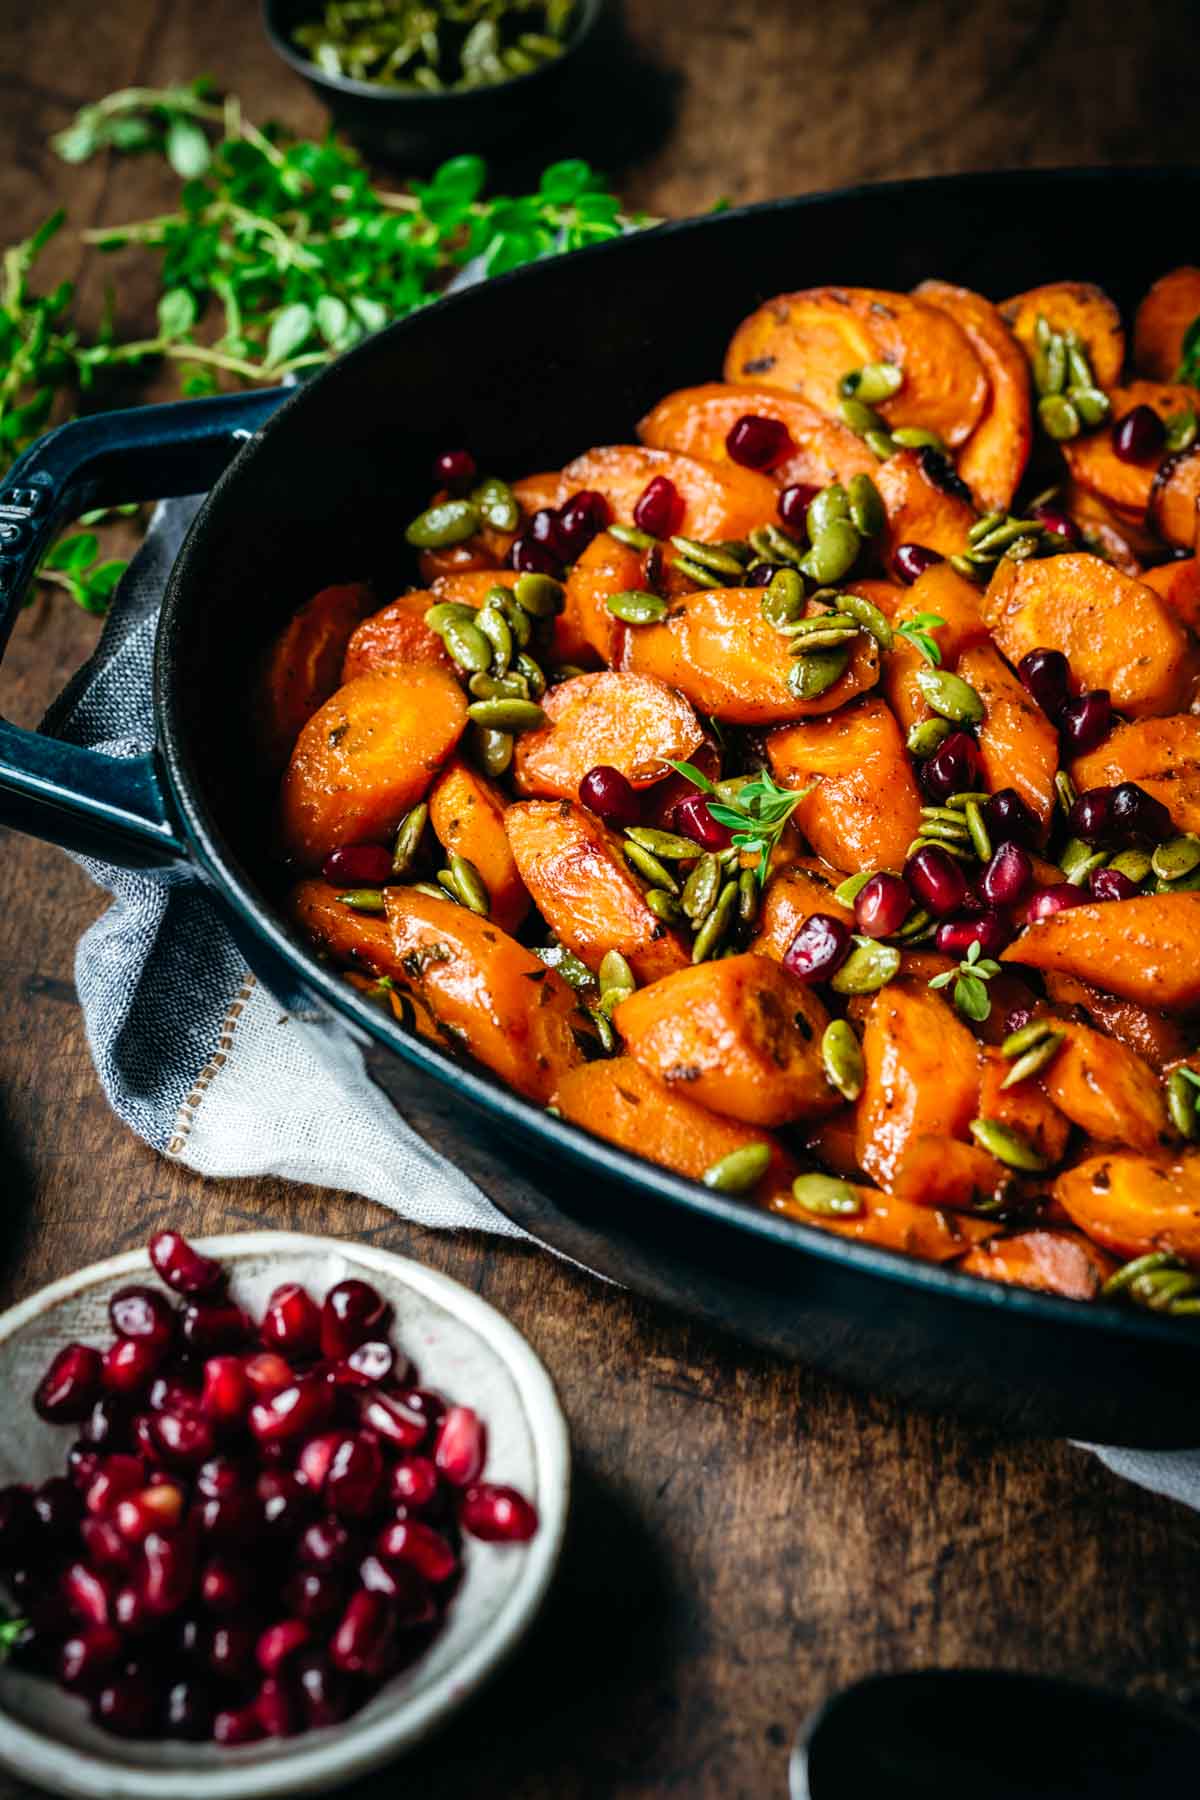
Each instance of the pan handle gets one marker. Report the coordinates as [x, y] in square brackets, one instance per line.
[106, 806]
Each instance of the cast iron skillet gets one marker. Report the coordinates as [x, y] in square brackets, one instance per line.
[529, 370]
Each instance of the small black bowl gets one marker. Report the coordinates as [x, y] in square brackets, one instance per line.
[420, 129]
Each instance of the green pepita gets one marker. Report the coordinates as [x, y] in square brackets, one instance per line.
[918, 924]
[637, 606]
[826, 1196]
[973, 813]
[1133, 863]
[833, 552]
[497, 504]
[869, 966]
[407, 841]
[704, 578]
[1087, 865]
[740, 1170]
[748, 896]
[1059, 419]
[1018, 1042]
[604, 1030]
[775, 545]
[649, 866]
[950, 696]
[632, 538]
[867, 511]
[615, 972]
[439, 616]
[952, 847]
[859, 417]
[701, 888]
[1178, 856]
[812, 675]
[472, 889]
[663, 843]
[833, 502]
[493, 749]
[783, 599]
[498, 632]
[712, 931]
[1181, 428]
[915, 437]
[1039, 1056]
[1066, 791]
[982, 527]
[363, 900]
[847, 892]
[574, 972]
[531, 673]
[449, 522]
[880, 444]
[926, 736]
[468, 646]
[1008, 1146]
[663, 905]
[430, 889]
[947, 831]
[824, 636]
[540, 595]
[1181, 1103]
[1128, 1273]
[448, 883]
[868, 615]
[498, 687]
[1091, 404]
[842, 1058]
[713, 557]
[507, 715]
[874, 382]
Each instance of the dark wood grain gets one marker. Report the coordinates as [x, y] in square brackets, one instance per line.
[746, 1536]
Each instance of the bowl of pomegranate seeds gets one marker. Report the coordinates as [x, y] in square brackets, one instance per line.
[271, 1506]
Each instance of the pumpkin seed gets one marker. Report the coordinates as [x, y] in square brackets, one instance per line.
[1124, 1277]
[468, 646]
[981, 527]
[874, 382]
[783, 599]
[1050, 366]
[1156, 1291]
[712, 931]
[973, 814]
[449, 886]
[574, 972]
[439, 616]
[493, 749]
[869, 966]
[428, 888]
[449, 522]
[531, 673]
[698, 573]
[1058, 417]
[631, 537]
[1181, 1103]
[812, 675]
[1079, 369]
[1184, 1307]
[868, 615]
[867, 511]
[649, 866]
[833, 502]
[1178, 856]
[800, 630]
[880, 444]
[1087, 865]
[969, 569]
[1010, 1147]
[1134, 863]
[1183, 884]
[776, 546]
[952, 847]
[1091, 404]
[943, 831]
[408, 839]
[1066, 791]
[959, 802]
[948, 814]
[926, 736]
[950, 695]
[663, 843]
[833, 552]
[1035, 1059]
[824, 637]
[740, 1170]
[713, 557]
[520, 623]
[635, 606]
[497, 503]
[915, 437]
[604, 1030]
[498, 687]
[507, 715]
[472, 889]
[730, 789]
[1181, 430]
[363, 900]
[826, 1196]
[663, 905]
[498, 632]
[847, 892]
[540, 595]
[917, 925]
[747, 896]
[998, 539]
[843, 1060]
[615, 972]
[860, 418]
[1018, 1042]
[701, 888]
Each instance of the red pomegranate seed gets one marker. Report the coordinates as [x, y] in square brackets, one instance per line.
[1047, 676]
[130, 1364]
[267, 1374]
[757, 442]
[83, 1465]
[183, 1268]
[989, 929]
[793, 504]
[414, 1482]
[1087, 721]
[392, 1419]
[358, 865]
[315, 1594]
[108, 1425]
[354, 1483]
[1008, 819]
[659, 509]
[167, 1577]
[158, 1508]
[1008, 876]
[292, 1321]
[609, 795]
[220, 1477]
[1061, 523]
[294, 1412]
[499, 1515]
[86, 1657]
[279, 1706]
[693, 819]
[819, 948]
[187, 1711]
[1090, 817]
[104, 1546]
[1139, 436]
[460, 1446]
[87, 1593]
[229, 1519]
[953, 768]
[363, 1638]
[70, 1387]
[412, 1541]
[325, 1544]
[285, 1504]
[1050, 900]
[184, 1436]
[911, 561]
[225, 1586]
[454, 469]
[1137, 814]
[428, 1406]
[352, 1312]
[168, 1393]
[936, 880]
[882, 905]
[238, 1725]
[529, 557]
[1111, 884]
[127, 1705]
[230, 1647]
[315, 1457]
[581, 519]
[211, 1326]
[141, 1312]
[279, 1641]
[408, 1592]
[58, 1509]
[368, 1365]
[225, 1396]
[117, 1475]
[324, 1692]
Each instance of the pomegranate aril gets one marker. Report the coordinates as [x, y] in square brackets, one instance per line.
[104, 1545]
[1137, 814]
[405, 1588]
[83, 1465]
[1009, 820]
[70, 1387]
[544, 528]
[142, 1312]
[819, 948]
[210, 1326]
[911, 560]
[315, 1457]
[529, 557]
[230, 1647]
[581, 519]
[292, 1322]
[412, 1541]
[158, 1508]
[1112, 884]
[659, 509]
[1046, 675]
[354, 1484]
[363, 1638]
[225, 1586]
[989, 929]
[1090, 817]
[359, 865]
[314, 1594]
[109, 1425]
[1008, 877]
[127, 1706]
[761, 574]
[882, 905]
[427, 1405]
[167, 1577]
[1050, 900]
[220, 1476]
[936, 879]
[285, 1504]
[231, 1519]
[117, 1475]
[499, 1515]
[793, 504]
[130, 1364]
[279, 1707]
[183, 1268]
[455, 469]
[1061, 523]
[184, 1436]
[86, 1657]
[267, 1374]
[169, 1392]
[757, 442]
[187, 1711]
[414, 1482]
[87, 1593]
[367, 1365]
[391, 1419]
[238, 1725]
[1139, 436]
[322, 1689]
[58, 1509]
[607, 793]
[1087, 721]
[694, 819]
[279, 1641]
[293, 1412]
[460, 1446]
[954, 767]
[225, 1396]
[351, 1313]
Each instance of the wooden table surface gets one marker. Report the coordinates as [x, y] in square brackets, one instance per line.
[747, 1536]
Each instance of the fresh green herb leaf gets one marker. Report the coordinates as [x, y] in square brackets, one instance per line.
[176, 313]
[72, 565]
[756, 816]
[1189, 358]
[918, 630]
[10, 1635]
[970, 980]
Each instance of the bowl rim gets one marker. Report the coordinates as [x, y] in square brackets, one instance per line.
[355, 1747]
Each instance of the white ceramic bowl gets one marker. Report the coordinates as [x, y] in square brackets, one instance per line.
[461, 1346]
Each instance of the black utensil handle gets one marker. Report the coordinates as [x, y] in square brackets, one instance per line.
[106, 806]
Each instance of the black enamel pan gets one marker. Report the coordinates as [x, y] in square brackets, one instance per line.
[529, 370]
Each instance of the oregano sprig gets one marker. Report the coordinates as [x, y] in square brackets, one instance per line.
[756, 814]
[919, 631]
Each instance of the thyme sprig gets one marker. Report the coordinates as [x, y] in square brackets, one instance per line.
[919, 631]
[756, 813]
[970, 980]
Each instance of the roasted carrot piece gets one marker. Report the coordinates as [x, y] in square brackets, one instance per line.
[1161, 755]
[472, 587]
[1072, 306]
[834, 1143]
[889, 596]
[1178, 586]
[698, 420]
[630, 722]
[585, 890]
[606, 567]
[470, 557]
[303, 664]
[1134, 1205]
[1115, 632]
[945, 1172]
[716, 647]
[1121, 540]
[806, 342]
[740, 1033]
[920, 509]
[410, 1013]
[368, 755]
[466, 811]
[352, 939]
[1107, 1090]
[1024, 1107]
[943, 591]
[1161, 323]
[396, 634]
[793, 895]
[896, 1224]
[626, 1104]
[866, 808]
[1018, 745]
[515, 1016]
[1050, 1262]
[1146, 949]
[993, 459]
[1156, 1038]
[922, 1077]
[1175, 498]
[1095, 465]
[720, 500]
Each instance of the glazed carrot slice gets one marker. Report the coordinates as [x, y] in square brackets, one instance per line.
[921, 508]
[698, 420]
[892, 1223]
[1115, 632]
[945, 1172]
[866, 808]
[1024, 1107]
[958, 603]
[1161, 755]
[741, 1033]
[366, 757]
[620, 1101]
[806, 342]
[1018, 746]
[833, 1142]
[1095, 465]
[1161, 323]
[352, 939]
[1134, 1205]
[1050, 1262]
[1107, 1090]
[585, 890]
[1146, 949]
[472, 586]
[993, 459]
[630, 722]
[922, 1077]
[793, 895]
[1178, 586]
[1175, 499]
[396, 634]
[716, 647]
[720, 500]
[466, 811]
[1072, 306]
[606, 567]
[303, 666]
[1120, 539]
[1157, 1039]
